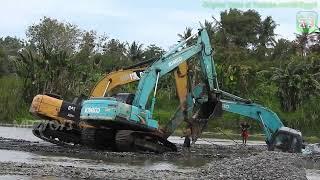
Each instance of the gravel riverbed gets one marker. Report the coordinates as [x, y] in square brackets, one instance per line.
[201, 162]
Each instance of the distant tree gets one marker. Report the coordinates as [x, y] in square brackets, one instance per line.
[209, 27]
[282, 50]
[135, 51]
[152, 52]
[241, 27]
[114, 46]
[301, 42]
[307, 42]
[297, 82]
[242, 35]
[54, 35]
[3, 65]
[87, 49]
[53, 72]
[187, 33]
[266, 37]
[11, 45]
[315, 47]
[114, 55]
[88, 43]
[33, 71]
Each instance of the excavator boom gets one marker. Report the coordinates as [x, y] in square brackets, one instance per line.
[276, 134]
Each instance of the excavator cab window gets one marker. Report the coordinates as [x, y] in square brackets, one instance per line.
[79, 100]
[124, 97]
[287, 141]
[282, 141]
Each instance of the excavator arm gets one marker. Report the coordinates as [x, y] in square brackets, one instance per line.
[276, 134]
[172, 60]
[268, 119]
[115, 79]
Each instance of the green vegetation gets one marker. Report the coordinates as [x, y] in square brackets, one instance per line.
[61, 58]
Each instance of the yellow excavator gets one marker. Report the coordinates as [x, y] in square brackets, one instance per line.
[63, 125]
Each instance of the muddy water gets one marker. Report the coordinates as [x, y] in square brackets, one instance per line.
[17, 133]
[145, 163]
[26, 157]
[92, 162]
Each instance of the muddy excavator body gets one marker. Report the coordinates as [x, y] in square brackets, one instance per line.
[62, 118]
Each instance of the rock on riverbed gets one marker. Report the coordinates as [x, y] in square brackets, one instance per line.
[266, 165]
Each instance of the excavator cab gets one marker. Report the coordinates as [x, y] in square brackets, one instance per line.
[286, 140]
[126, 98]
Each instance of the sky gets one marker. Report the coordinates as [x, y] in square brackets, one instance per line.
[146, 21]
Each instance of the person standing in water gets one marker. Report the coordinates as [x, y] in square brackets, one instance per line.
[244, 132]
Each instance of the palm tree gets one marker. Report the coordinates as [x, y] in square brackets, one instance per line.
[301, 42]
[282, 50]
[187, 33]
[266, 36]
[296, 83]
[306, 39]
[209, 27]
[135, 51]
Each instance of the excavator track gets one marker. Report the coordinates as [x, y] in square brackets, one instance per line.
[51, 132]
[98, 138]
[127, 140]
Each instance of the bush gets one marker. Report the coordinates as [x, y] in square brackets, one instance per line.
[12, 106]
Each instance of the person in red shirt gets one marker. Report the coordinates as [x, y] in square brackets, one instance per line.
[244, 132]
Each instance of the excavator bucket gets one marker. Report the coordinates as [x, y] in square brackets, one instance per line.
[217, 110]
[207, 111]
[211, 109]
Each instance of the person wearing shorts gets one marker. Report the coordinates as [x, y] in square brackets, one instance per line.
[244, 132]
